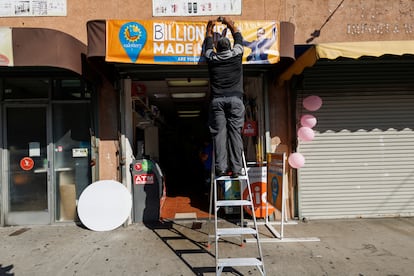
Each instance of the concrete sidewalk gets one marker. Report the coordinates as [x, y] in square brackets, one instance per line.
[347, 247]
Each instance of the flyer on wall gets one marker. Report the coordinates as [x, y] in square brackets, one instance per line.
[15, 8]
[195, 7]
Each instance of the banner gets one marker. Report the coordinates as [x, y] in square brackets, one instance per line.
[181, 42]
[6, 47]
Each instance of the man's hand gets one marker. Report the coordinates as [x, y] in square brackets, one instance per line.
[227, 21]
[210, 25]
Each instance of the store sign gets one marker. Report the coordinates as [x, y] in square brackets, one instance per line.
[140, 179]
[180, 42]
[142, 172]
[6, 47]
[79, 152]
[195, 7]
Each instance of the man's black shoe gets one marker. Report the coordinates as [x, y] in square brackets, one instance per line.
[220, 173]
[236, 175]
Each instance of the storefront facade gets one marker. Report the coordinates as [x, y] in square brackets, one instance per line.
[46, 109]
[99, 92]
[359, 162]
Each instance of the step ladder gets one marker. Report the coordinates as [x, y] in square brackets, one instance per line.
[240, 229]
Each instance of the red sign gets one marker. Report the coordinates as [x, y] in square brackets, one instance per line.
[138, 89]
[26, 163]
[141, 179]
[250, 128]
[138, 166]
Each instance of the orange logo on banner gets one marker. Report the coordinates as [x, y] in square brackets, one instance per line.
[259, 200]
[26, 163]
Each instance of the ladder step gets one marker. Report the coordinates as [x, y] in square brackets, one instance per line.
[239, 262]
[235, 231]
[233, 202]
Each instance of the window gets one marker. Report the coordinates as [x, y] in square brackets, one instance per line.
[70, 89]
[25, 88]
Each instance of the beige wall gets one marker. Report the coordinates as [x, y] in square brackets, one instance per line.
[354, 20]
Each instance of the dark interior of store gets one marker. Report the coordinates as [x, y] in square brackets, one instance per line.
[179, 96]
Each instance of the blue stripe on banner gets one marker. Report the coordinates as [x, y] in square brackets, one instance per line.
[183, 59]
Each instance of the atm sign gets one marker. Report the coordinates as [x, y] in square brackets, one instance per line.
[140, 179]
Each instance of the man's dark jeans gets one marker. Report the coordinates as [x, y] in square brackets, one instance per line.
[226, 121]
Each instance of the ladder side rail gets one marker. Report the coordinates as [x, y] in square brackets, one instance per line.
[212, 192]
[216, 239]
[259, 247]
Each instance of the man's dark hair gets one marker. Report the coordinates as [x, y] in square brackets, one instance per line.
[223, 44]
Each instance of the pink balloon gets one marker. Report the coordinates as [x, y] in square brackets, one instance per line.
[296, 160]
[308, 120]
[306, 134]
[312, 103]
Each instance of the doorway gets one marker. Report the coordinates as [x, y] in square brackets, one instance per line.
[46, 125]
[186, 187]
[27, 195]
[179, 109]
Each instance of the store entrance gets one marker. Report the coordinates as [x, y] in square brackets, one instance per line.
[178, 109]
[27, 192]
[182, 158]
[170, 118]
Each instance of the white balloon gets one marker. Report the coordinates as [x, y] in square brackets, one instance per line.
[296, 160]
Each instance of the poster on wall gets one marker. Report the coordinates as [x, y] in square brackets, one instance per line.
[257, 180]
[6, 47]
[275, 175]
[195, 7]
[181, 42]
[14, 8]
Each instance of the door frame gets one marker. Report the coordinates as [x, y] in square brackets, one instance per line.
[26, 217]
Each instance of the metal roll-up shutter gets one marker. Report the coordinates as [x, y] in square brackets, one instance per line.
[361, 161]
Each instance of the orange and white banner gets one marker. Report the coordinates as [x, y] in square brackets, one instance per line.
[181, 42]
[6, 47]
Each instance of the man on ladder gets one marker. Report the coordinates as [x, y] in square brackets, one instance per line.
[226, 120]
[226, 116]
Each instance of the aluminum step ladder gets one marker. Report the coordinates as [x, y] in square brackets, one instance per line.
[240, 229]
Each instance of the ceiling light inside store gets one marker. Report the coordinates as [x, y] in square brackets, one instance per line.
[161, 95]
[144, 124]
[187, 82]
[188, 95]
[188, 115]
[188, 112]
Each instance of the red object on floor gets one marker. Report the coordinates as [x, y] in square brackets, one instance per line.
[182, 204]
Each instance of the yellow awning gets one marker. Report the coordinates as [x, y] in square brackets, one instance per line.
[348, 50]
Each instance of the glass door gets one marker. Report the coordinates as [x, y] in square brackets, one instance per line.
[27, 192]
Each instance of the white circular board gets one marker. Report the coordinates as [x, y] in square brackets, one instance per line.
[104, 205]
